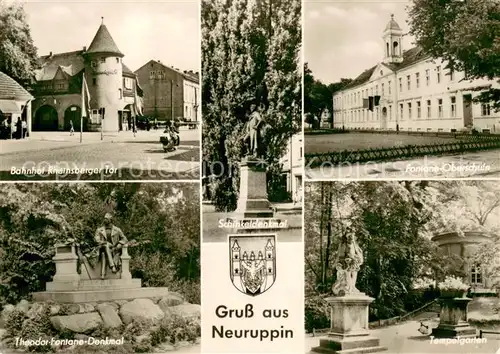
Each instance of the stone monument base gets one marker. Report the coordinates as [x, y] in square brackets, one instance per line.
[252, 200]
[349, 331]
[97, 291]
[463, 330]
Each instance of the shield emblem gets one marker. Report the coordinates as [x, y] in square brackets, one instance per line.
[252, 262]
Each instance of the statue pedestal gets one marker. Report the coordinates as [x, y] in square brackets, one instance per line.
[349, 332]
[453, 319]
[253, 201]
[70, 287]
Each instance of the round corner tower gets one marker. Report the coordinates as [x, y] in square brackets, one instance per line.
[103, 72]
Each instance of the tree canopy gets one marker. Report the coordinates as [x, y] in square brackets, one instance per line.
[18, 54]
[250, 54]
[159, 217]
[318, 95]
[466, 34]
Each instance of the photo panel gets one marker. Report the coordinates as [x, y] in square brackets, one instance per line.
[392, 89]
[109, 91]
[252, 249]
[402, 266]
[100, 267]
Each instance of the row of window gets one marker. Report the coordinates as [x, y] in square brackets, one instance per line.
[410, 111]
[94, 63]
[357, 97]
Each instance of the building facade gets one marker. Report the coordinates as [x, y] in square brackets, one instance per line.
[15, 105]
[60, 93]
[169, 92]
[478, 276]
[293, 167]
[410, 91]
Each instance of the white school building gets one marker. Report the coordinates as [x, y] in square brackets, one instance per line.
[410, 91]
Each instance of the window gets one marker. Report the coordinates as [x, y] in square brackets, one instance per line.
[453, 106]
[427, 77]
[452, 74]
[409, 110]
[485, 109]
[120, 94]
[429, 107]
[408, 82]
[103, 59]
[438, 74]
[419, 109]
[376, 89]
[93, 63]
[390, 112]
[117, 60]
[127, 83]
[376, 114]
[94, 81]
[440, 107]
[400, 85]
[382, 89]
[389, 87]
[475, 275]
[417, 79]
[401, 111]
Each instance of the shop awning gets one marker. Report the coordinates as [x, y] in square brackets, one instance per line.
[9, 106]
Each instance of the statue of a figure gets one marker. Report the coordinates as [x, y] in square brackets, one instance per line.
[348, 262]
[252, 129]
[111, 241]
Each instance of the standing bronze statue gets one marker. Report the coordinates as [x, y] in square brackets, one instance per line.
[348, 262]
[252, 129]
[111, 241]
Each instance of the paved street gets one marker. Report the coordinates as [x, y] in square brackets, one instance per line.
[405, 338]
[482, 164]
[118, 156]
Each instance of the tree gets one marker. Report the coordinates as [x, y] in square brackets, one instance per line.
[318, 96]
[249, 55]
[18, 54]
[465, 34]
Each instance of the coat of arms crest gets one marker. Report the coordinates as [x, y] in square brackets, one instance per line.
[252, 260]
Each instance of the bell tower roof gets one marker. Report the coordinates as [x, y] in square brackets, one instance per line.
[103, 42]
[392, 24]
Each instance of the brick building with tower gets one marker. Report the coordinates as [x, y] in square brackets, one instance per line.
[408, 90]
[169, 92]
[111, 86]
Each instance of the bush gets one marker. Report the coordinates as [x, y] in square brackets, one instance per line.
[14, 323]
[176, 329]
[156, 270]
[317, 313]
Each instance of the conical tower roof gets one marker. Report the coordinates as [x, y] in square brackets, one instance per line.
[104, 43]
[392, 25]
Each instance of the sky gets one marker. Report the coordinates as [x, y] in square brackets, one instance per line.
[344, 38]
[165, 30]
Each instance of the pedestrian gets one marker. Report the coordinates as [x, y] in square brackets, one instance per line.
[71, 128]
[19, 128]
[25, 129]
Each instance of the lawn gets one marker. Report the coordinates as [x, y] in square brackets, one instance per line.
[315, 144]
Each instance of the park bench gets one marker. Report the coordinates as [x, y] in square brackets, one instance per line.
[486, 131]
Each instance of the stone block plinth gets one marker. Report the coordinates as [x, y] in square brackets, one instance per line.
[453, 319]
[66, 260]
[252, 200]
[103, 295]
[349, 332]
